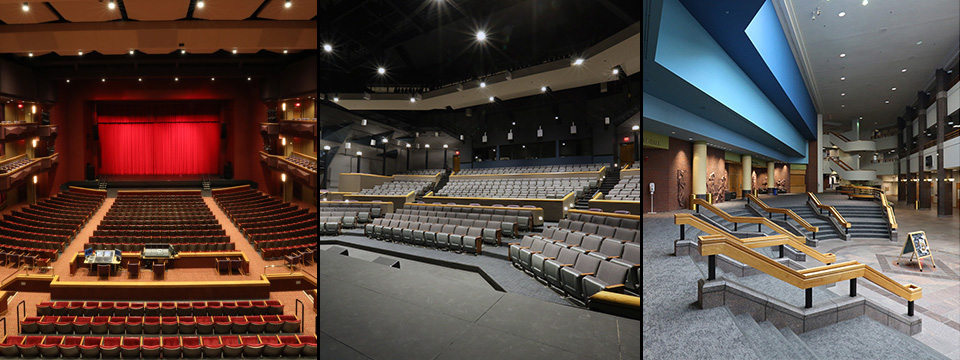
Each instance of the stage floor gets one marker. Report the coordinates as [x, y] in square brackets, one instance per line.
[136, 178]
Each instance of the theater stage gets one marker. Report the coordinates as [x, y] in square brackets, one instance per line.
[158, 182]
[369, 310]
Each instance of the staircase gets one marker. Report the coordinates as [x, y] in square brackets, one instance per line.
[740, 227]
[827, 232]
[440, 184]
[770, 343]
[869, 220]
[612, 177]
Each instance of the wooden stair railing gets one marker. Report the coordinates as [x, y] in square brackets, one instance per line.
[796, 241]
[841, 163]
[840, 136]
[786, 212]
[879, 195]
[832, 210]
[807, 279]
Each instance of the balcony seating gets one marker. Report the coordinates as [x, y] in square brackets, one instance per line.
[534, 169]
[630, 188]
[302, 161]
[420, 172]
[399, 188]
[29, 347]
[168, 325]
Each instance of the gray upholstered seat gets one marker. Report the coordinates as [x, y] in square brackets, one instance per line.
[609, 249]
[610, 276]
[550, 252]
[551, 268]
[526, 255]
[631, 258]
[570, 276]
[516, 247]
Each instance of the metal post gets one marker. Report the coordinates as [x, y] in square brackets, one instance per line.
[683, 233]
[910, 308]
[735, 226]
[853, 287]
[784, 217]
[809, 302]
[770, 216]
[759, 228]
[781, 251]
[712, 272]
[814, 235]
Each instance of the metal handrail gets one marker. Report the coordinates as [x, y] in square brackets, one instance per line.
[303, 311]
[17, 310]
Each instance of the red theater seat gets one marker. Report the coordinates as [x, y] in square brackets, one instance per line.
[191, 347]
[99, 324]
[47, 324]
[8, 348]
[169, 325]
[252, 347]
[137, 309]
[70, 347]
[90, 347]
[292, 345]
[232, 348]
[168, 309]
[212, 348]
[188, 325]
[272, 347]
[274, 324]
[221, 324]
[256, 324]
[134, 325]
[150, 347]
[117, 325]
[29, 325]
[64, 324]
[29, 348]
[82, 325]
[130, 347]
[110, 347]
[171, 347]
[45, 308]
[50, 346]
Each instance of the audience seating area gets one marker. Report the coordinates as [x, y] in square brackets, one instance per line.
[509, 225]
[459, 238]
[421, 172]
[179, 219]
[302, 161]
[266, 222]
[38, 233]
[492, 232]
[13, 165]
[170, 347]
[525, 220]
[399, 187]
[152, 325]
[527, 188]
[182, 308]
[630, 188]
[596, 252]
[534, 169]
[347, 214]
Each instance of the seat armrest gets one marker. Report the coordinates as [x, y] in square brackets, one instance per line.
[587, 274]
[615, 287]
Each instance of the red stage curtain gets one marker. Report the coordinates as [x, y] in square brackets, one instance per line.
[159, 139]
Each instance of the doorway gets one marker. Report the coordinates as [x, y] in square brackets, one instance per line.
[626, 154]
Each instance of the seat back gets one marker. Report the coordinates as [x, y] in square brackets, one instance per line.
[551, 250]
[590, 243]
[567, 256]
[612, 273]
[611, 247]
[574, 239]
[587, 264]
[631, 252]
[538, 245]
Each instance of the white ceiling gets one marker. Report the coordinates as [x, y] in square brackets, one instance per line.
[879, 40]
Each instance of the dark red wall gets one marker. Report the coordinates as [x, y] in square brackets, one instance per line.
[660, 166]
[243, 112]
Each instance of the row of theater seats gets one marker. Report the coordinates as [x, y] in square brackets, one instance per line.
[578, 265]
[420, 172]
[457, 238]
[534, 169]
[11, 166]
[526, 213]
[164, 233]
[185, 247]
[40, 231]
[330, 225]
[170, 347]
[399, 187]
[183, 220]
[156, 239]
[136, 325]
[629, 188]
[509, 225]
[599, 218]
[528, 188]
[158, 227]
[252, 211]
[183, 308]
[492, 231]
[302, 161]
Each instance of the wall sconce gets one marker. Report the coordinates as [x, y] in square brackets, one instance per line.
[573, 128]
[283, 177]
[283, 106]
[484, 138]
[34, 179]
[359, 153]
[34, 142]
[444, 146]
[540, 131]
[373, 142]
[426, 146]
[347, 145]
[283, 141]
[326, 148]
[510, 135]
[33, 109]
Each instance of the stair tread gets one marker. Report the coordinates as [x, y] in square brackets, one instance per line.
[802, 350]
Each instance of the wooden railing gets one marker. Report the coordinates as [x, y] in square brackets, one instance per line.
[840, 136]
[796, 241]
[807, 279]
[786, 212]
[833, 211]
[879, 195]
[841, 163]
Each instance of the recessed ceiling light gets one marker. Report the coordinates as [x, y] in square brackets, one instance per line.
[893, 89]
[284, 51]
[327, 47]
[861, 118]
[176, 79]
[248, 78]
[842, 78]
[139, 79]
[843, 105]
[483, 84]
[920, 42]
[102, 80]
[903, 70]
[234, 51]
[336, 99]
[80, 52]
[481, 35]
[25, 7]
[200, 4]
[543, 89]
[843, 94]
[842, 14]
[30, 54]
[886, 101]
[578, 62]
[68, 80]
[212, 79]
[865, 2]
[843, 55]
[413, 99]
[615, 71]
[111, 5]
[381, 70]
[288, 4]
[491, 99]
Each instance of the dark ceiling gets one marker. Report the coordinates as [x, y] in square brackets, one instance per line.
[430, 43]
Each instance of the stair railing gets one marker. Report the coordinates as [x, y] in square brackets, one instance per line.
[807, 279]
[882, 198]
[786, 212]
[796, 241]
[832, 210]
[841, 163]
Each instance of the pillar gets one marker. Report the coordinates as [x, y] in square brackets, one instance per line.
[923, 189]
[699, 173]
[818, 166]
[287, 190]
[771, 179]
[747, 162]
[911, 184]
[901, 159]
[944, 188]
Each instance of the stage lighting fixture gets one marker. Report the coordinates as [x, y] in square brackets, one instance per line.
[111, 5]
[212, 79]
[327, 47]
[248, 78]
[381, 70]
[481, 35]
[102, 80]
[288, 4]
[200, 4]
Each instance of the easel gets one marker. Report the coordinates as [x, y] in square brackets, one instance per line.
[916, 245]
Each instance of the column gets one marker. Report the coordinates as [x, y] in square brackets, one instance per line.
[911, 185]
[771, 179]
[699, 173]
[747, 162]
[818, 168]
[944, 188]
[901, 159]
[923, 189]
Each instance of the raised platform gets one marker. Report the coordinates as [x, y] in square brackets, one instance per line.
[159, 182]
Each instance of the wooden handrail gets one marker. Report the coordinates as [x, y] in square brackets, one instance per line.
[841, 163]
[833, 211]
[795, 241]
[788, 212]
[840, 136]
[806, 278]
[879, 195]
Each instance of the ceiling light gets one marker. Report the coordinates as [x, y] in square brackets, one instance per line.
[248, 78]
[326, 147]
[842, 78]
[426, 146]
[843, 55]
[183, 51]
[139, 79]
[481, 35]
[865, 2]
[200, 4]
[483, 84]
[30, 54]
[615, 71]
[920, 42]
[843, 94]
[635, 127]
[234, 51]
[381, 70]
[893, 89]
[287, 4]
[384, 140]
[25, 7]
[111, 5]
[886, 101]
[68, 80]
[903, 70]
[212, 79]
[336, 99]
[103, 80]
[359, 153]
[284, 51]
[327, 47]
[412, 99]
[80, 52]
[843, 106]
[491, 99]
[842, 14]
[176, 79]
[131, 52]
[543, 89]
[578, 61]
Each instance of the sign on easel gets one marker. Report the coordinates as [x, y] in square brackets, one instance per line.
[916, 245]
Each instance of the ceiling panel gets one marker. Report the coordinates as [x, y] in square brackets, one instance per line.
[308, 39]
[239, 39]
[116, 42]
[11, 13]
[35, 41]
[70, 42]
[85, 11]
[195, 39]
[157, 41]
[153, 10]
[299, 10]
[227, 10]
[274, 39]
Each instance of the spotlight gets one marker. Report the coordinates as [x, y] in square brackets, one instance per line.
[183, 51]
[234, 51]
[578, 61]
[111, 5]
[200, 4]
[131, 52]
[543, 89]
[327, 47]
[287, 4]
[381, 70]
[481, 35]
[80, 52]
[491, 99]
[616, 71]
[284, 51]
[176, 79]
[30, 54]
[483, 84]
[25, 7]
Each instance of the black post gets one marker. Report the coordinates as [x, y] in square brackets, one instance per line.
[735, 226]
[683, 233]
[781, 251]
[408, 158]
[770, 216]
[910, 308]
[809, 303]
[383, 169]
[814, 235]
[712, 271]
[358, 163]
[853, 287]
[759, 227]
[444, 156]
[426, 158]
[784, 217]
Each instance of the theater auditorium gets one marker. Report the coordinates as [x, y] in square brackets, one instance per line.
[800, 179]
[158, 179]
[479, 180]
